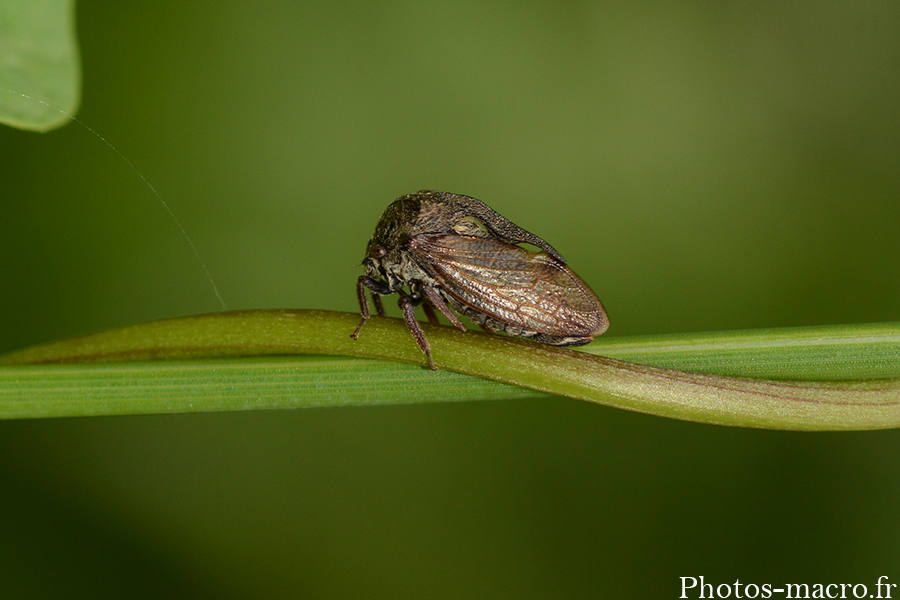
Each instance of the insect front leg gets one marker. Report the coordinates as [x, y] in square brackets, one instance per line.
[378, 290]
[408, 306]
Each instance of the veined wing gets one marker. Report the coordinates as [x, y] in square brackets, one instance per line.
[530, 290]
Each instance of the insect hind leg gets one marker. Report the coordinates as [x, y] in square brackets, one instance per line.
[562, 340]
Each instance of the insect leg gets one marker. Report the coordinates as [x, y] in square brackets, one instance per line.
[409, 313]
[435, 299]
[379, 308]
[378, 289]
[429, 312]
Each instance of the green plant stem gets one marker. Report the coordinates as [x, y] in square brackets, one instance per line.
[863, 404]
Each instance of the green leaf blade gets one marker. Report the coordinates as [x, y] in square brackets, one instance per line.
[102, 389]
[209, 380]
[826, 353]
[40, 72]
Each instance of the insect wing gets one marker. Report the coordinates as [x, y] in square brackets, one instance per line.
[530, 290]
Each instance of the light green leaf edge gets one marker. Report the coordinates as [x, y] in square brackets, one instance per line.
[190, 365]
[40, 67]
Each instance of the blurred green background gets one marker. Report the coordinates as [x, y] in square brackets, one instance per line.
[704, 167]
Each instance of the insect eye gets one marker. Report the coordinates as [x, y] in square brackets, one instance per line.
[377, 251]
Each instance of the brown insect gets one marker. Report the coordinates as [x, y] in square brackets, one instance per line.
[455, 254]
